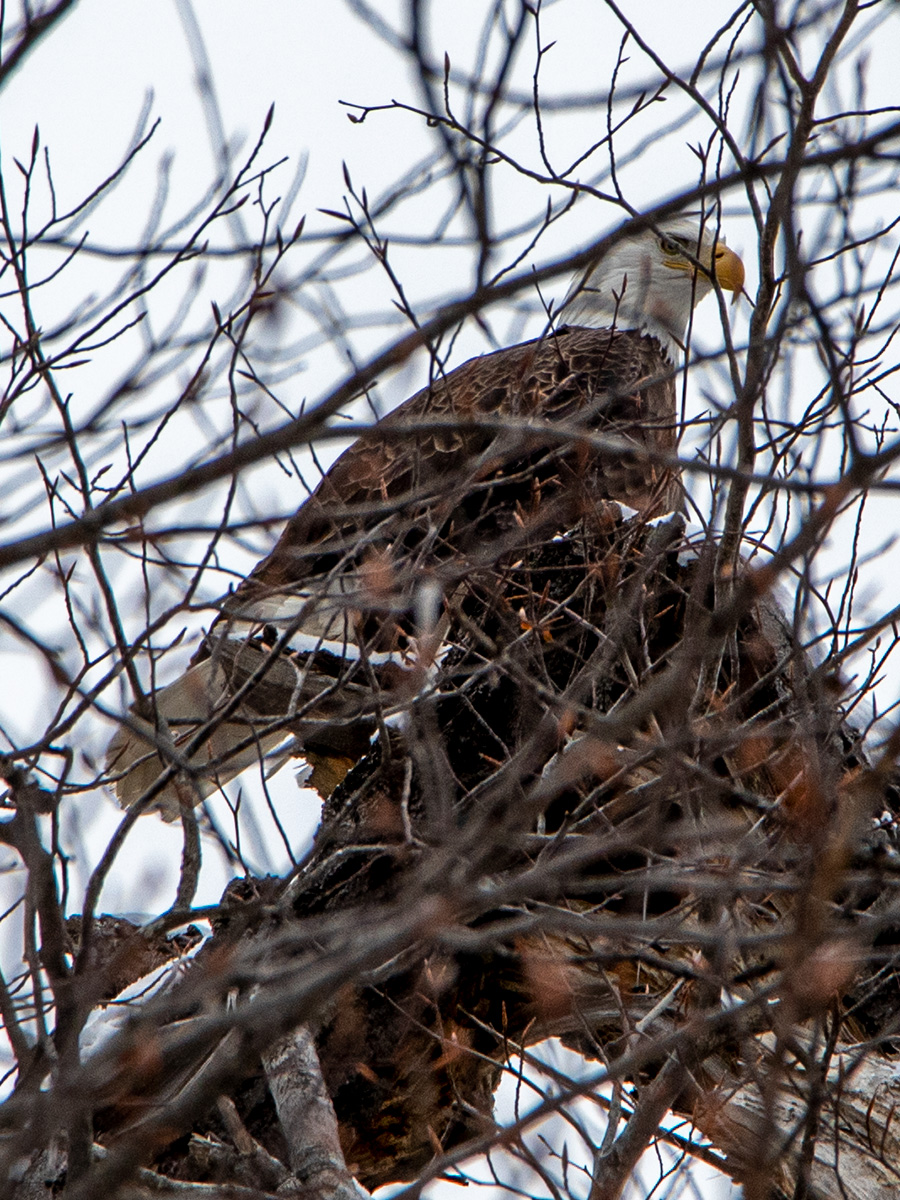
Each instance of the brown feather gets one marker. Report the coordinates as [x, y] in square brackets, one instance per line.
[398, 523]
[615, 383]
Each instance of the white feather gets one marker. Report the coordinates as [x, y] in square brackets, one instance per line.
[640, 284]
[137, 751]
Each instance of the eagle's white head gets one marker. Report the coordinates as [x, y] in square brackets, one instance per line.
[649, 282]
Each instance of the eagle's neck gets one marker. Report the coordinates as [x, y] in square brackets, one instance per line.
[665, 323]
[637, 292]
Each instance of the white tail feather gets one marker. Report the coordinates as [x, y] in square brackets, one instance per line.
[137, 751]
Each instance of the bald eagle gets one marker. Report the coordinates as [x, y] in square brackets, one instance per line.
[347, 614]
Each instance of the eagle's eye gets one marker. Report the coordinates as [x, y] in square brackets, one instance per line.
[669, 246]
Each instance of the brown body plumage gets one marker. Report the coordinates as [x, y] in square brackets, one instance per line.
[349, 609]
[438, 465]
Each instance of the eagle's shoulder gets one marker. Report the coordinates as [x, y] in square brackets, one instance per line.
[436, 432]
[520, 379]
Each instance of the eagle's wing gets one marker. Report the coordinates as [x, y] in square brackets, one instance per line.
[458, 475]
[436, 449]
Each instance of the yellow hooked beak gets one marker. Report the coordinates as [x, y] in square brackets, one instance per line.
[728, 269]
